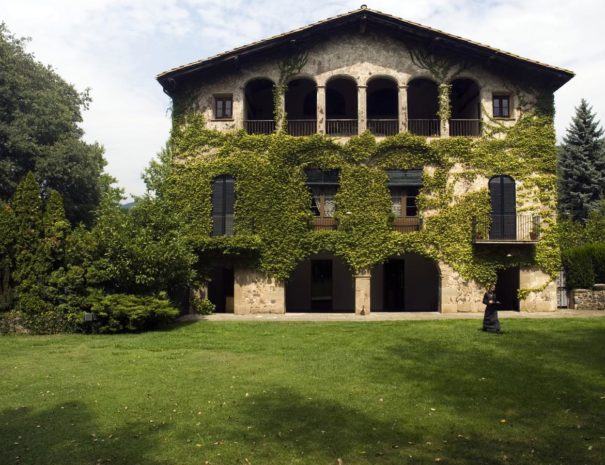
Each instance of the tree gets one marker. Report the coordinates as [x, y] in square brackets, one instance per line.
[581, 165]
[39, 132]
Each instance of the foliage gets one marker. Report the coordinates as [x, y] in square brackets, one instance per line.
[39, 132]
[202, 306]
[126, 312]
[576, 233]
[579, 265]
[581, 165]
[272, 200]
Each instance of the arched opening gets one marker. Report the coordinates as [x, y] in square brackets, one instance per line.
[423, 107]
[220, 289]
[466, 108]
[341, 107]
[301, 107]
[259, 106]
[406, 283]
[321, 283]
[503, 199]
[507, 288]
[382, 107]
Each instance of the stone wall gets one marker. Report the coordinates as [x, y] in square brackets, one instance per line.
[588, 299]
[544, 300]
[254, 292]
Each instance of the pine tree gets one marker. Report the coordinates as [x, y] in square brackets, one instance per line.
[8, 235]
[56, 229]
[581, 165]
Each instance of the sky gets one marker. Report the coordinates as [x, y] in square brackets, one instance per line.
[117, 47]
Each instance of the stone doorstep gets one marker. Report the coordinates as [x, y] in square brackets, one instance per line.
[384, 316]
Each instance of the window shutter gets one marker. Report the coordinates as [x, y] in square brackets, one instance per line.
[229, 205]
[218, 206]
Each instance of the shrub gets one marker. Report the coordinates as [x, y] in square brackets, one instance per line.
[127, 312]
[11, 322]
[578, 266]
[202, 306]
[597, 254]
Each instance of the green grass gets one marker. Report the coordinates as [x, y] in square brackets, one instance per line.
[308, 393]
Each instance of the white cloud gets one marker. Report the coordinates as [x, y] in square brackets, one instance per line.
[116, 47]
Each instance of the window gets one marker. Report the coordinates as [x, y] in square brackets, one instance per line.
[504, 208]
[223, 200]
[501, 106]
[323, 185]
[404, 186]
[223, 107]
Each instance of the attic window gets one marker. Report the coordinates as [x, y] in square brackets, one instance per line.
[223, 107]
[501, 106]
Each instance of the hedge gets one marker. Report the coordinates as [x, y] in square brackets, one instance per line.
[584, 265]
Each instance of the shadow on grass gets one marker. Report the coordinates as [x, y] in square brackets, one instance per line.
[548, 386]
[66, 434]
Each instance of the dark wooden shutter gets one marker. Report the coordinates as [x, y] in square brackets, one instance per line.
[223, 200]
[504, 208]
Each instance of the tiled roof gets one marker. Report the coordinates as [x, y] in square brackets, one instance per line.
[268, 41]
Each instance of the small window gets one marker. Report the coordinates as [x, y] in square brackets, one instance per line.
[223, 202]
[223, 107]
[501, 106]
[404, 201]
[323, 185]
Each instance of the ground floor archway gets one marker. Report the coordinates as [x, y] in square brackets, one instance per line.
[507, 288]
[406, 283]
[221, 289]
[321, 283]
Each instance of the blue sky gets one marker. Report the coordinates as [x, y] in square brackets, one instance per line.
[116, 47]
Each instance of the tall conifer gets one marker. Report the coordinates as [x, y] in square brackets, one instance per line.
[581, 165]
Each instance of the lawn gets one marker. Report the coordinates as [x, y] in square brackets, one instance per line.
[264, 393]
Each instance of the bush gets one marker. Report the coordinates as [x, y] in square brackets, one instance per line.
[597, 254]
[202, 306]
[11, 322]
[126, 312]
[578, 266]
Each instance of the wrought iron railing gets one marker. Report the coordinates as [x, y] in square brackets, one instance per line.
[465, 127]
[406, 223]
[507, 228]
[323, 222]
[383, 127]
[301, 127]
[424, 127]
[259, 126]
[341, 127]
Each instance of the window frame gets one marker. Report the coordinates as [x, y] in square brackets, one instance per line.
[219, 98]
[500, 96]
[221, 226]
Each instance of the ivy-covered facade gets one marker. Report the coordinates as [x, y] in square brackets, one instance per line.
[365, 163]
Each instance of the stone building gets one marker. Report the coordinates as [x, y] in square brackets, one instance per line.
[480, 117]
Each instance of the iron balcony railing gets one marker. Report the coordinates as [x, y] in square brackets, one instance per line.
[301, 127]
[259, 126]
[383, 127]
[465, 127]
[507, 228]
[323, 223]
[406, 224]
[424, 127]
[341, 127]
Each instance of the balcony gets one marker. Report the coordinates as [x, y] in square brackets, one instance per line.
[341, 127]
[424, 127]
[383, 127]
[322, 223]
[465, 127]
[405, 224]
[259, 126]
[507, 229]
[302, 127]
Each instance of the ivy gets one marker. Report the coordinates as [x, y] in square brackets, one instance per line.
[272, 226]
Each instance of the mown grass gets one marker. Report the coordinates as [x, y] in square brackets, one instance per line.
[308, 393]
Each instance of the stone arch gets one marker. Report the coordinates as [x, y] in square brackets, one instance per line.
[406, 283]
[382, 103]
[465, 101]
[341, 106]
[301, 106]
[258, 106]
[423, 107]
[321, 283]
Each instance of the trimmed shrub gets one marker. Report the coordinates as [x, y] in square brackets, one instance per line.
[578, 266]
[597, 254]
[115, 313]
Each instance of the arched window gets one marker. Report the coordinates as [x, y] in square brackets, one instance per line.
[504, 208]
[223, 200]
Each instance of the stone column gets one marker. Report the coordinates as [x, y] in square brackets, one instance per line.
[403, 108]
[239, 111]
[542, 300]
[281, 104]
[197, 292]
[362, 112]
[254, 292]
[362, 292]
[444, 123]
[321, 109]
[486, 108]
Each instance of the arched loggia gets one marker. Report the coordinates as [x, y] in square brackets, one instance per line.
[423, 107]
[259, 106]
[466, 108]
[382, 107]
[301, 107]
[341, 107]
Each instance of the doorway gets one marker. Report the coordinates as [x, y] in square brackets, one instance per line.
[507, 288]
[220, 289]
[394, 285]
